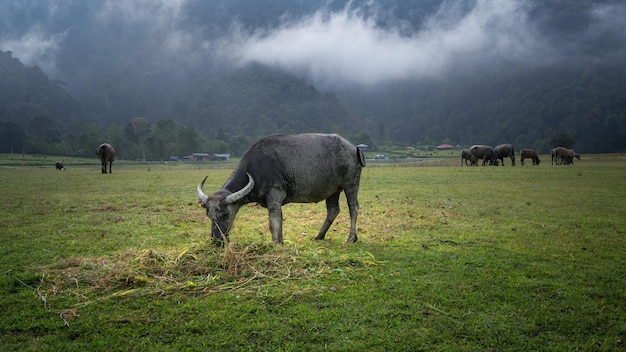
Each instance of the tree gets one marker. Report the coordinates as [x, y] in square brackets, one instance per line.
[44, 130]
[164, 136]
[562, 140]
[238, 144]
[12, 137]
[363, 137]
[138, 129]
[188, 140]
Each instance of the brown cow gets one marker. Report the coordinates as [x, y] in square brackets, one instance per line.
[529, 154]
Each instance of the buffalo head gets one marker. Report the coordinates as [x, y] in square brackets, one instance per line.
[222, 206]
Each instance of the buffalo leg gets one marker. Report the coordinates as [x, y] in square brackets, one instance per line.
[332, 210]
[276, 222]
[353, 205]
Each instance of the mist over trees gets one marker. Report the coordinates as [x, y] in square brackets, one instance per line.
[165, 78]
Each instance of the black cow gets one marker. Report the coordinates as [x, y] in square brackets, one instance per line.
[466, 157]
[106, 153]
[504, 151]
[570, 157]
[484, 152]
[281, 169]
[564, 156]
[59, 165]
[529, 154]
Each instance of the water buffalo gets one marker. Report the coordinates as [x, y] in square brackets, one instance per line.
[505, 151]
[560, 155]
[569, 159]
[553, 155]
[106, 153]
[529, 154]
[564, 156]
[59, 165]
[484, 152]
[281, 169]
[466, 157]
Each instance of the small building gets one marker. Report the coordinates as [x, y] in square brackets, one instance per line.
[220, 157]
[444, 147]
[381, 157]
[363, 147]
[200, 157]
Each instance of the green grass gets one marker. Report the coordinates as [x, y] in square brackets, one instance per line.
[448, 258]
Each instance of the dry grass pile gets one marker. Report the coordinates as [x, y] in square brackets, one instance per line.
[198, 269]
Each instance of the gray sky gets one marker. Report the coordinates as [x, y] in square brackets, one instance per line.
[326, 47]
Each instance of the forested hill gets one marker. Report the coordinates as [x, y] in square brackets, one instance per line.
[528, 106]
[253, 101]
[27, 93]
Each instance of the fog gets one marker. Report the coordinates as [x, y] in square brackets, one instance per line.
[346, 46]
[329, 47]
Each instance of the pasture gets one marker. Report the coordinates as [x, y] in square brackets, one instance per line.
[449, 258]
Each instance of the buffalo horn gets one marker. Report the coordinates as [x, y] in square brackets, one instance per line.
[242, 192]
[201, 196]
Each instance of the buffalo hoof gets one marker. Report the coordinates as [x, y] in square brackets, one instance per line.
[352, 239]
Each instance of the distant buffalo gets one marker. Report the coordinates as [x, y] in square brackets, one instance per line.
[529, 154]
[59, 165]
[106, 153]
[553, 155]
[466, 157]
[570, 157]
[483, 152]
[504, 151]
[564, 156]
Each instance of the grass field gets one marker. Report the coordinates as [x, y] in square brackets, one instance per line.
[448, 258]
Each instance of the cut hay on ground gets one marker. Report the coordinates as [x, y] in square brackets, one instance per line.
[198, 269]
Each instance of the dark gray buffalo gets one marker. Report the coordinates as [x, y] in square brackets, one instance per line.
[564, 156]
[106, 153]
[505, 151]
[59, 165]
[483, 152]
[281, 169]
[466, 157]
[529, 154]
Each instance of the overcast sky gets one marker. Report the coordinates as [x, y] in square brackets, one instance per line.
[328, 47]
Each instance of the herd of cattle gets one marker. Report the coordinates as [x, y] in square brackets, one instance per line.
[497, 154]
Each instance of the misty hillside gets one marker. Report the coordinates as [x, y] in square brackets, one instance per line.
[27, 92]
[427, 72]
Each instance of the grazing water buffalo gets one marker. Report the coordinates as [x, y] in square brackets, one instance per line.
[553, 155]
[106, 153]
[570, 157]
[564, 156]
[59, 165]
[505, 151]
[281, 169]
[484, 152]
[529, 154]
[466, 157]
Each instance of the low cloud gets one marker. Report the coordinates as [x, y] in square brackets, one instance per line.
[35, 48]
[347, 46]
